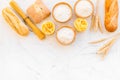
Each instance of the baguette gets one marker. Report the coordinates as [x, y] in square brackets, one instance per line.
[16, 24]
[111, 15]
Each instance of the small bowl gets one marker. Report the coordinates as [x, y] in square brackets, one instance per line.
[58, 4]
[80, 15]
[69, 27]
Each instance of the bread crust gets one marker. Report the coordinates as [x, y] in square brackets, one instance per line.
[111, 15]
[38, 11]
[15, 23]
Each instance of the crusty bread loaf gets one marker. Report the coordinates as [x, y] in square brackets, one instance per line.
[111, 15]
[14, 21]
[38, 11]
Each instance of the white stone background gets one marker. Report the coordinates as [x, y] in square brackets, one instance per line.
[28, 58]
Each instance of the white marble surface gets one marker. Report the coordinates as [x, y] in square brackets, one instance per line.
[28, 58]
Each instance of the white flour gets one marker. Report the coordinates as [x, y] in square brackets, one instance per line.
[62, 12]
[84, 8]
[65, 35]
